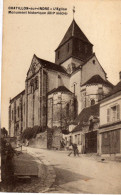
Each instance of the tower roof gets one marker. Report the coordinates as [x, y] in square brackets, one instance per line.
[74, 31]
[97, 79]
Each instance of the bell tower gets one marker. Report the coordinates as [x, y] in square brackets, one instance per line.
[74, 48]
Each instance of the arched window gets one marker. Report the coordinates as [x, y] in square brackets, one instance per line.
[36, 83]
[75, 107]
[67, 110]
[12, 114]
[59, 80]
[24, 108]
[74, 88]
[31, 86]
[92, 102]
[18, 111]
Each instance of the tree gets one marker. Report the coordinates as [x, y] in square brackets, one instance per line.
[4, 132]
[30, 133]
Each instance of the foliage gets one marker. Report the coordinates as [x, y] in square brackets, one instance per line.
[4, 132]
[30, 133]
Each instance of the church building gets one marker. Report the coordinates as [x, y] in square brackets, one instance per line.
[56, 93]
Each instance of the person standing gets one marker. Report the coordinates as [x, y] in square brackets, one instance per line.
[73, 149]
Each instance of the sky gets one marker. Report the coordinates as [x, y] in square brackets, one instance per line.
[26, 34]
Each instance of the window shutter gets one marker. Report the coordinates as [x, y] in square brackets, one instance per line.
[108, 115]
[118, 112]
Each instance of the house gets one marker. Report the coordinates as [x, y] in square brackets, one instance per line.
[110, 122]
[85, 131]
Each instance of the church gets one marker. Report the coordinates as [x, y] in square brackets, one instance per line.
[57, 93]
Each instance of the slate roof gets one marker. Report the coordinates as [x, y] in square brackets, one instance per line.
[97, 79]
[74, 31]
[51, 65]
[59, 89]
[85, 115]
[17, 96]
[115, 90]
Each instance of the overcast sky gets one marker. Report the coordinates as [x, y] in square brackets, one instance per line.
[26, 35]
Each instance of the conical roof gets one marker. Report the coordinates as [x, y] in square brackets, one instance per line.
[74, 31]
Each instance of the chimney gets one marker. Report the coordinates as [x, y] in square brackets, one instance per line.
[120, 75]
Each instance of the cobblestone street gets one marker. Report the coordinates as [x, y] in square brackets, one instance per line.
[81, 174]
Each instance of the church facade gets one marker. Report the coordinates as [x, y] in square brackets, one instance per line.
[56, 93]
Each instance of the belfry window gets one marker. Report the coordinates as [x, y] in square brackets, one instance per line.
[36, 83]
[18, 111]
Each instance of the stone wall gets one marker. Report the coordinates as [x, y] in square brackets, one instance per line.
[40, 141]
[54, 137]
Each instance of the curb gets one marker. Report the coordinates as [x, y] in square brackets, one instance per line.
[50, 172]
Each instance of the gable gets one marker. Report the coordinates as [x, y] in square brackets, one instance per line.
[34, 67]
[90, 68]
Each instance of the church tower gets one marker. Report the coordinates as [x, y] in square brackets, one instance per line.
[74, 48]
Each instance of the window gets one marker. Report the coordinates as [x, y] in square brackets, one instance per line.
[12, 114]
[83, 93]
[59, 80]
[113, 113]
[36, 83]
[67, 110]
[100, 90]
[100, 93]
[59, 98]
[93, 61]
[74, 88]
[78, 139]
[92, 102]
[31, 86]
[108, 115]
[18, 111]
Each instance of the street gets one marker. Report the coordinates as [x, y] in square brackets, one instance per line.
[81, 174]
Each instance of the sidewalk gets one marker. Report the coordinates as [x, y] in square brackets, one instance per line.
[30, 174]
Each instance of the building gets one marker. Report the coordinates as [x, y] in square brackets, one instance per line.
[85, 131]
[110, 122]
[56, 93]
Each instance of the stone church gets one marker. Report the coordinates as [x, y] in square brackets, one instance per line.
[56, 93]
